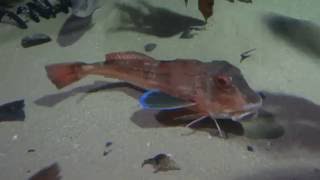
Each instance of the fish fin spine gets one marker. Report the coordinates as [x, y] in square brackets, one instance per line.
[127, 55]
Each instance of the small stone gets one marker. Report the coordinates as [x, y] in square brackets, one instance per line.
[250, 148]
[12, 111]
[31, 150]
[150, 47]
[108, 144]
[105, 153]
[35, 39]
[246, 1]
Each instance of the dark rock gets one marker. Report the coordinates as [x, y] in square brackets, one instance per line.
[35, 39]
[246, 1]
[150, 47]
[108, 144]
[12, 111]
[105, 153]
[31, 150]
[250, 148]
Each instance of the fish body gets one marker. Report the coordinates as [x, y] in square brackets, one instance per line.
[216, 89]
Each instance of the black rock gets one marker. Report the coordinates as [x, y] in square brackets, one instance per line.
[13, 111]
[250, 148]
[31, 150]
[246, 1]
[150, 47]
[108, 144]
[34, 40]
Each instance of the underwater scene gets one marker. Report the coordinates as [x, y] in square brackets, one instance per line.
[161, 90]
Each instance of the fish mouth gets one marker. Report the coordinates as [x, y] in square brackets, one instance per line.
[244, 115]
[249, 111]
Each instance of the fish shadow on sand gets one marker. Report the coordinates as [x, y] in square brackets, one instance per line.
[156, 21]
[301, 34]
[300, 120]
[163, 119]
[295, 119]
[73, 29]
[53, 99]
[287, 122]
[287, 173]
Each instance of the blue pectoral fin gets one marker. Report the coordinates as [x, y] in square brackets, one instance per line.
[157, 100]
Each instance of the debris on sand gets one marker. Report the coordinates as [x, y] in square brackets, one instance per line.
[162, 162]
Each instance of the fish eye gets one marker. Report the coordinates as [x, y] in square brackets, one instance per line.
[223, 81]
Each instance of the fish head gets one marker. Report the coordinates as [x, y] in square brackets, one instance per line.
[227, 93]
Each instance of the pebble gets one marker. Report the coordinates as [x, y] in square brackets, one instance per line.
[150, 47]
[31, 150]
[35, 39]
[250, 148]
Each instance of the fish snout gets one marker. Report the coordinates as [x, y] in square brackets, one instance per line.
[248, 111]
[253, 106]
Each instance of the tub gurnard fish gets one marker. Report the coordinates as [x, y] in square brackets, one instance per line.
[213, 89]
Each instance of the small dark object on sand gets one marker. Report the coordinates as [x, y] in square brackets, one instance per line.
[31, 150]
[246, 1]
[105, 153]
[246, 54]
[150, 47]
[51, 172]
[250, 148]
[35, 39]
[12, 111]
[108, 144]
[161, 162]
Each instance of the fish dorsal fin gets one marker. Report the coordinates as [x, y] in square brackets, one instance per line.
[126, 55]
[157, 100]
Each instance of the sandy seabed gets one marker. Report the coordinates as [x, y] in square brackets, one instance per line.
[71, 128]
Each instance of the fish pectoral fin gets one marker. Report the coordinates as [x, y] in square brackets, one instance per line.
[157, 100]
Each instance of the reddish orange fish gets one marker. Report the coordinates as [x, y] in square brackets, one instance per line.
[214, 89]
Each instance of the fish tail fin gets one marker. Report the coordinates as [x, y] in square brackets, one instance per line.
[64, 74]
